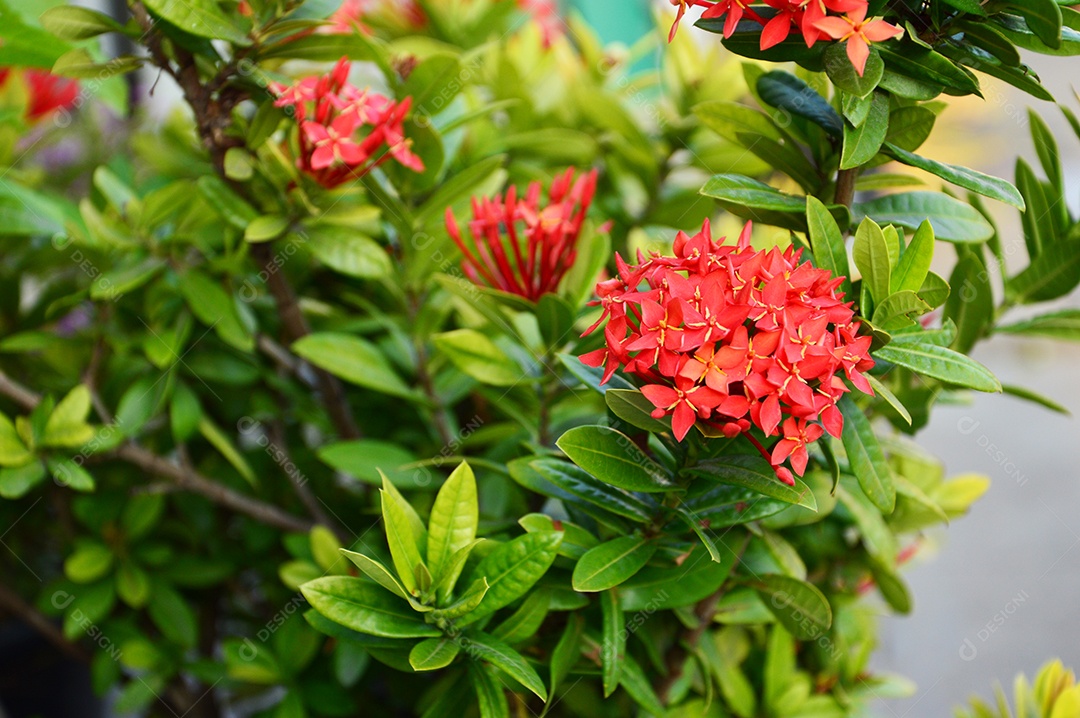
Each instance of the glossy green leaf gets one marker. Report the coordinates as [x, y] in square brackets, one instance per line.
[525, 622]
[512, 569]
[88, 563]
[479, 357]
[787, 92]
[566, 651]
[1052, 274]
[348, 252]
[866, 458]
[354, 360]
[827, 242]
[487, 648]
[567, 481]
[799, 606]
[215, 308]
[872, 257]
[490, 693]
[754, 473]
[914, 264]
[631, 406]
[453, 521]
[877, 538]
[750, 199]
[864, 141]
[202, 18]
[613, 647]
[466, 604]
[364, 607]
[612, 563]
[403, 541]
[984, 184]
[840, 70]
[614, 458]
[971, 303]
[940, 363]
[1064, 324]
[952, 220]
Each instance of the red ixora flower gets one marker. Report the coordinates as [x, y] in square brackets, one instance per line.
[858, 32]
[734, 339]
[48, 93]
[346, 132]
[518, 247]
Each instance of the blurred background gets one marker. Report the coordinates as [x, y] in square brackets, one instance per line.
[998, 592]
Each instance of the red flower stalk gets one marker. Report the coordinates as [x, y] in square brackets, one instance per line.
[519, 248]
[48, 93]
[346, 132]
[735, 339]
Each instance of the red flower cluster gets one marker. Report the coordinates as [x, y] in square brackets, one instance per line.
[48, 93]
[519, 247]
[349, 17]
[346, 132]
[809, 17]
[736, 339]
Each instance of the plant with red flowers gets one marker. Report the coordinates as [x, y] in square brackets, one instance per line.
[519, 246]
[345, 132]
[733, 339]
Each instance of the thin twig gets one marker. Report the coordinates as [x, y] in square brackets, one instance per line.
[13, 604]
[187, 479]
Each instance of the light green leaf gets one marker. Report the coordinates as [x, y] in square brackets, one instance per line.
[613, 648]
[348, 252]
[952, 220]
[512, 569]
[612, 563]
[484, 647]
[871, 253]
[434, 653]
[914, 264]
[362, 606]
[866, 458]
[827, 242]
[984, 184]
[479, 357]
[202, 18]
[354, 360]
[940, 363]
[453, 520]
[799, 606]
[88, 563]
[404, 548]
[612, 457]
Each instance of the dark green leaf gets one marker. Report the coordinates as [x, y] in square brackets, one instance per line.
[754, 473]
[614, 458]
[983, 184]
[799, 606]
[953, 220]
[612, 563]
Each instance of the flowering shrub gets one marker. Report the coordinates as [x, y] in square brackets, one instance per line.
[308, 406]
[735, 338]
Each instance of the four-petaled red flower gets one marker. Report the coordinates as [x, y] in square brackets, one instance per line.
[734, 339]
[346, 132]
[517, 246]
[858, 33]
[47, 93]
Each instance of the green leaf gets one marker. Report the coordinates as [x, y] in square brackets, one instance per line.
[1038, 228]
[863, 142]
[434, 653]
[639, 687]
[784, 91]
[88, 563]
[490, 693]
[220, 441]
[365, 607]
[799, 606]
[132, 585]
[483, 647]
[927, 66]
[934, 290]
[348, 252]
[215, 308]
[611, 563]
[576, 540]
[613, 647]
[971, 303]
[512, 569]
[631, 406]
[576, 482]
[126, 278]
[843, 74]
[899, 310]
[354, 360]
[614, 458]
[202, 18]
[376, 572]
[13, 451]
[940, 363]
[78, 63]
[872, 257]
[891, 399]
[827, 242]
[70, 473]
[877, 538]
[365, 458]
[752, 472]
[465, 605]
[403, 541]
[479, 357]
[453, 520]
[984, 184]
[1043, 17]
[77, 23]
[524, 623]
[15, 481]
[444, 586]
[1029, 395]
[952, 220]
[1052, 274]
[914, 264]
[141, 513]
[172, 614]
[555, 317]
[265, 228]
[457, 187]
[67, 423]
[750, 199]
[866, 458]
[1064, 324]
[567, 650]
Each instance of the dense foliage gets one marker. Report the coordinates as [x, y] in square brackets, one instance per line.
[411, 345]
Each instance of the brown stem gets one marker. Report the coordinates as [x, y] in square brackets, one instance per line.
[845, 187]
[213, 108]
[187, 479]
[13, 604]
